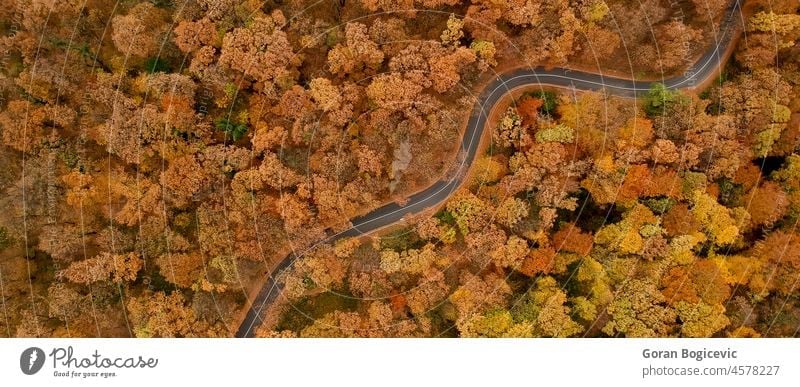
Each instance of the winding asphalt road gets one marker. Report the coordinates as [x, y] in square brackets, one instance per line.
[437, 193]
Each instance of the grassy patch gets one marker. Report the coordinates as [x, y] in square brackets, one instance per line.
[5, 240]
[402, 239]
[156, 65]
[304, 312]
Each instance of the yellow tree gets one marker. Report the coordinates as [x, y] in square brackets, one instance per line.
[639, 310]
[544, 306]
[118, 268]
[469, 211]
[715, 219]
[156, 314]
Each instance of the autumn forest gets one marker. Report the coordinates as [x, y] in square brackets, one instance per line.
[161, 159]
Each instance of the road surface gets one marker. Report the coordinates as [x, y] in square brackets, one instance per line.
[705, 67]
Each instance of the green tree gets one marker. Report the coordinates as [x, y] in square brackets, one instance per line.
[232, 129]
[659, 98]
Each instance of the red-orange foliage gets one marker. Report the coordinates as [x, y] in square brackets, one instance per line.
[664, 182]
[747, 175]
[702, 280]
[780, 254]
[539, 261]
[679, 221]
[528, 109]
[767, 204]
[637, 179]
[571, 238]
[398, 303]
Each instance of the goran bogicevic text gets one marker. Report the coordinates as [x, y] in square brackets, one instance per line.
[685, 353]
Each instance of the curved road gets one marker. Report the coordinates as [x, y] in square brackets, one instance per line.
[437, 193]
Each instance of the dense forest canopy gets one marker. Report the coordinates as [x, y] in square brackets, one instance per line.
[161, 156]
